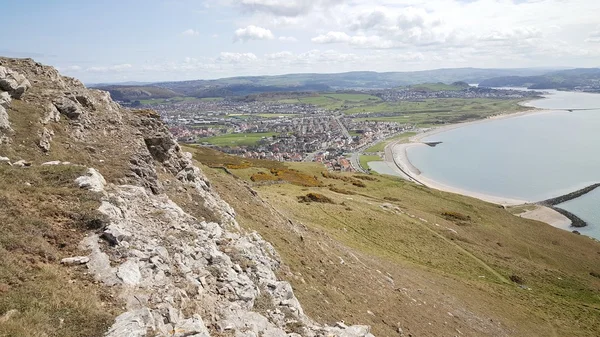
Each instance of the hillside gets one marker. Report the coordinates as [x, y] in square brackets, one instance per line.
[111, 228]
[435, 263]
[241, 86]
[581, 79]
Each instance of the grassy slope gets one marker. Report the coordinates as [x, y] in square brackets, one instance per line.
[444, 264]
[365, 159]
[437, 111]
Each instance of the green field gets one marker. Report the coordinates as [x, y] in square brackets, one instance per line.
[237, 139]
[364, 160]
[381, 145]
[433, 112]
[336, 101]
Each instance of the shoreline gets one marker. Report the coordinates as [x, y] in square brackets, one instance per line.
[396, 155]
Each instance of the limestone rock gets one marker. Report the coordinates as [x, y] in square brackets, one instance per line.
[22, 163]
[45, 139]
[129, 273]
[51, 114]
[68, 108]
[5, 99]
[12, 82]
[92, 181]
[73, 261]
[4, 123]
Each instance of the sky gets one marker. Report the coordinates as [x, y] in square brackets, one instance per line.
[168, 40]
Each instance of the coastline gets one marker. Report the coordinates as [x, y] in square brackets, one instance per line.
[396, 155]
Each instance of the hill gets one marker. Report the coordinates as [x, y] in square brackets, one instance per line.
[248, 85]
[111, 228]
[587, 79]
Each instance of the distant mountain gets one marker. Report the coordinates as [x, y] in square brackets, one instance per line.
[247, 85]
[586, 79]
[132, 93]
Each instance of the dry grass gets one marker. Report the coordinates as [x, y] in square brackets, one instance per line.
[44, 215]
[346, 260]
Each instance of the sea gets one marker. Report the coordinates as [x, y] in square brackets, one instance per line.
[531, 157]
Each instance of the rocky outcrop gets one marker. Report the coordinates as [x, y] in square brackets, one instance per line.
[12, 82]
[178, 275]
[12, 86]
[185, 277]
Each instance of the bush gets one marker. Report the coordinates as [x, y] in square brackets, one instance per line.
[315, 197]
[340, 190]
[453, 216]
[516, 279]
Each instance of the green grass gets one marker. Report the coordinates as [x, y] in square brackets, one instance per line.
[439, 111]
[335, 101]
[377, 230]
[237, 139]
[365, 159]
[44, 217]
[379, 147]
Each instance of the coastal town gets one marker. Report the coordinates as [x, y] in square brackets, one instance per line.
[325, 128]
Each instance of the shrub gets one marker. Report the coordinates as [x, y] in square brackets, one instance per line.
[315, 197]
[340, 190]
[453, 216]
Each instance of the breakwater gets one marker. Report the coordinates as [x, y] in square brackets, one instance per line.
[575, 220]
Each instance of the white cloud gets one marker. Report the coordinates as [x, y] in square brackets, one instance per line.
[190, 32]
[253, 33]
[594, 37]
[236, 57]
[332, 37]
[287, 39]
[113, 68]
[288, 8]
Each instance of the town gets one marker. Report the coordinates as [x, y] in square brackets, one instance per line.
[322, 127]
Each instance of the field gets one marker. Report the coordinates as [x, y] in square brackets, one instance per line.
[379, 147]
[340, 101]
[434, 262]
[439, 111]
[365, 159]
[237, 139]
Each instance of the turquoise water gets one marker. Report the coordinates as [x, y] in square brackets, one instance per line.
[532, 157]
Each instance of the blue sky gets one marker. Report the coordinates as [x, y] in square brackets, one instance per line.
[157, 40]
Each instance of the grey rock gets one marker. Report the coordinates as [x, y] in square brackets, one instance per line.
[4, 123]
[76, 260]
[129, 273]
[13, 82]
[68, 108]
[22, 163]
[51, 114]
[132, 324]
[52, 163]
[45, 139]
[5, 99]
[92, 181]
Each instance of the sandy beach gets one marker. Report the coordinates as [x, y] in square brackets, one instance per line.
[396, 156]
